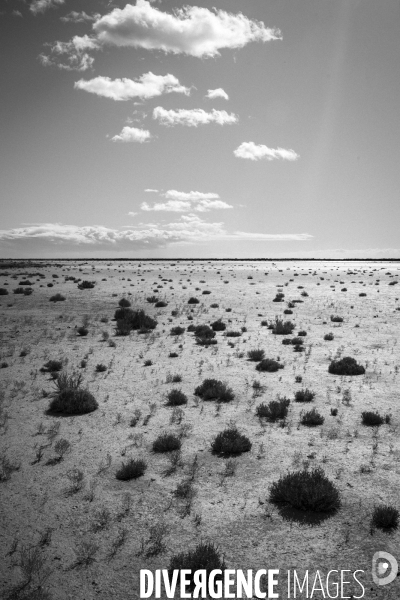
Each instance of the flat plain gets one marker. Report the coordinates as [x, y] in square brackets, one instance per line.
[70, 529]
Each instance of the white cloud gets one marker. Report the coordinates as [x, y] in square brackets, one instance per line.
[188, 229]
[79, 17]
[187, 202]
[72, 55]
[146, 86]
[40, 6]
[132, 134]
[193, 117]
[218, 93]
[151, 190]
[252, 151]
[190, 30]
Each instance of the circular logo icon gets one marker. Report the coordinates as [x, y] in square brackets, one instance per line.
[384, 568]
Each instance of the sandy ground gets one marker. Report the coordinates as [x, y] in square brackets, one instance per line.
[40, 511]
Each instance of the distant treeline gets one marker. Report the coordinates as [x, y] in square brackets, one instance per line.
[37, 262]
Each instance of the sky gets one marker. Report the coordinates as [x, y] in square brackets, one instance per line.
[237, 129]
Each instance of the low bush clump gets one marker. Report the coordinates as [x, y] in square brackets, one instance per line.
[176, 398]
[336, 319]
[70, 398]
[177, 330]
[346, 366]
[256, 355]
[82, 331]
[166, 442]
[269, 365]
[328, 337]
[132, 469]
[203, 331]
[372, 419]
[308, 490]
[385, 517]
[193, 300]
[100, 368]
[152, 299]
[281, 327]
[218, 325]
[130, 320]
[86, 285]
[204, 557]
[230, 441]
[275, 410]
[305, 395]
[3, 292]
[57, 298]
[124, 303]
[52, 366]
[302, 333]
[161, 304]
[213, 389]
[312, 418]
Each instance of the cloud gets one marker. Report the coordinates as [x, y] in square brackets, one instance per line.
[146, 86]
[191, 30]
[40, 6]
[132, 134]
[72, 55]
[79, 17]
[188, 229]
[218, 93]
[252, 151]
[193, 117]
[151, 190]
[187, 202]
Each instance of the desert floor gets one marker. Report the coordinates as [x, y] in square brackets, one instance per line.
[80, 533]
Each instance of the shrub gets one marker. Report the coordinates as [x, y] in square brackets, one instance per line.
[268, 365]
[166, 442]
[214, 305]
[3, 292]
[100, 368]
[256, 355]
[362, 295]
[233, 333]
[82, 331]
[287, 311]
[52, 366]
[282, 328]
[161, 304]
[334, 412]
[70, 398]
[306, 490]
[372, 419]
[297, 341]
[132, 469]
[302, 333]
[129, 320]
[124, 303]
[287, 341]
[204, 331]
[177, 330]
[305, 395]
[86, 285]
[201, 341]
[204, 557]
[218, 325]
[152, 299]
[57, 298]
[275, 410]
[328, 337]
[312, 418]
[346, 366]
[193, 300]
[385, 517]
[176, 398]
[336, 319]
[230, 441]
[213, 389]
[173, 355]
[298, 379]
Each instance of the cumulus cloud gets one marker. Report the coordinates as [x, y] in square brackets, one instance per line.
[146, 86]
[190, 30]
[79, 17]
[218, 93]
[70, 56]
[132, 134]
[188, 229]
[187, 202]
[252, 151]
[40, 6]
[193, 117]
[148, 190]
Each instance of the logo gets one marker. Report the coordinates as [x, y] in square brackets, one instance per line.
[384, 568]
